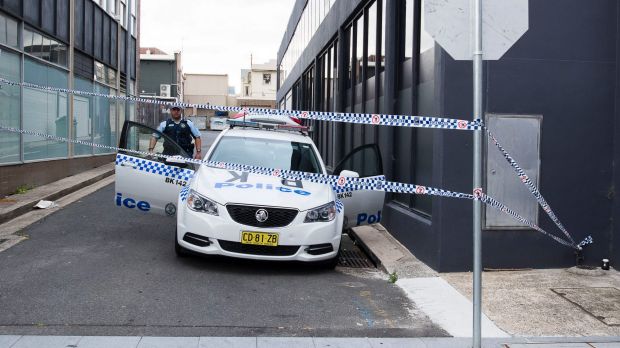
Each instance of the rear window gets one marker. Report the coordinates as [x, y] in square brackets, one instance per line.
[288, 155]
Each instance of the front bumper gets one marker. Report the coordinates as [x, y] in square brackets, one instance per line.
[307, 237]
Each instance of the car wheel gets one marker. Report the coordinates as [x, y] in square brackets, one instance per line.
[178, 249]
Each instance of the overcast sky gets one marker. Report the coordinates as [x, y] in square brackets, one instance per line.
[216, 36]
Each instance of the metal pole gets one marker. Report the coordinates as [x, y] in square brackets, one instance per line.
[128, 58]
[477, 66]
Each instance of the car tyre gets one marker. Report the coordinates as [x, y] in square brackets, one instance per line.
[178, 249]
[330, 264]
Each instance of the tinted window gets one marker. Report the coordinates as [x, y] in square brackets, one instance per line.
[267, 153]
[365, 160]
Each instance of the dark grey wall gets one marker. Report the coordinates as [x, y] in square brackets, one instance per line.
[614, 253]
[156, 72]
[563, 68]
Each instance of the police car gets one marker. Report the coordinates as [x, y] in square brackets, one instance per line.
[243, 214]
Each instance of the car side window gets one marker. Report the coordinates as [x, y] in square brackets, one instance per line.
[138, 137]
[365, 160]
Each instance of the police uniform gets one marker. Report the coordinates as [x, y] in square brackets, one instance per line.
[182, 133]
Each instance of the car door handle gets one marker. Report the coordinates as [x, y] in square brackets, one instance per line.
[129, 164]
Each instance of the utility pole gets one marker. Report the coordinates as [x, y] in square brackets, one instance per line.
[446, 21]
[477, 66]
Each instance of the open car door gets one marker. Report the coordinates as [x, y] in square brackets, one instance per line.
[364, 206]
[149, 183]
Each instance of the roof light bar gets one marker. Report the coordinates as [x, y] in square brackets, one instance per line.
[268, 125]
[242, 123]
[293, 127]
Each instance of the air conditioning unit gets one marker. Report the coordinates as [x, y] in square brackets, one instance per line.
[164, 91]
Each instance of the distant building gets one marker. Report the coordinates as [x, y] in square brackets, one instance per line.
[75, 44]
[206, 88]
[258, 85]
[163, 80]
[210, 89]
[162, 72]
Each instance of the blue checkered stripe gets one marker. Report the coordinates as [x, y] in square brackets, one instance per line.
[157, 168]
[339, 206]
[586, 241]
[184, 193]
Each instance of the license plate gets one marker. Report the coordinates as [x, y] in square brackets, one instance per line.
[259, 238]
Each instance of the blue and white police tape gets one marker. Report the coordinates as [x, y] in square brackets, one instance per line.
[338, 183]
[355, 118]
[530, 186]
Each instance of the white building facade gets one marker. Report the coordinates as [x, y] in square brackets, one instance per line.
[258, 85]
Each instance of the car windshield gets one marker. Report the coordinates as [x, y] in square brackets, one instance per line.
[288, 155]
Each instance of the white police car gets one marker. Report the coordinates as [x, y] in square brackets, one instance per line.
[243, 214]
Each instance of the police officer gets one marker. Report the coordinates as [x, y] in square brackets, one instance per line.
[181, 131]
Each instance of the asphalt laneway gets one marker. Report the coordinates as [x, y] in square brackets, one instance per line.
[94, 269]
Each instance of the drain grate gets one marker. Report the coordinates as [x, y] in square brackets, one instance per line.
[601, 303]
[354, 259]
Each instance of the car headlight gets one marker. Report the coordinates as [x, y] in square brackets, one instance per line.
[323, 213]
[201, 204]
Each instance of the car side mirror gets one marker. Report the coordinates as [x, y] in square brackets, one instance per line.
[349, 174]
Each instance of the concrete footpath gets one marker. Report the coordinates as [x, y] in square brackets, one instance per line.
[547, 302]
[295, 342]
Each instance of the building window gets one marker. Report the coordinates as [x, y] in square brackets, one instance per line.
[408, 33]
[94, 119]
[288, 101]
[123, 13]
[8, 31]
[104, 74]
[371, 41]
[104, 119]
[44, 47]
[82, 116]
[308, 98]
[359, 50]
[349, 56]
[112, 7]
[383, 20]
[44, 111]
[134, 22]
[10, 65]
[309, 21]
[247, 91]
[266, 79]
